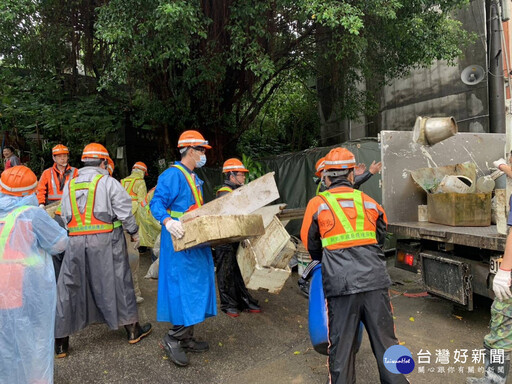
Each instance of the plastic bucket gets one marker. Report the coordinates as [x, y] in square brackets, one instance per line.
[317, 317]
[303, 260]
[454, 183]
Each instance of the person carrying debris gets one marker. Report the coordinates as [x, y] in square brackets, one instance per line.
[95, 284]
[361, 175]
[28, 236]
[345, 229]
[136, 188]
[53, 179]
[233, 293]
[186, 279]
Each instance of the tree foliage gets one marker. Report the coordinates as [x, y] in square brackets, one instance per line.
[233, 69]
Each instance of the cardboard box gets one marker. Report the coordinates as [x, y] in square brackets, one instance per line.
[215, 230]
[460, 209]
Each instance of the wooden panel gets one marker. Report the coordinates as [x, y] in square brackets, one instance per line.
[460, 209]
[215, 230]
[242, 201]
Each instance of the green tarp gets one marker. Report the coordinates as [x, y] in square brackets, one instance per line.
[294, 174]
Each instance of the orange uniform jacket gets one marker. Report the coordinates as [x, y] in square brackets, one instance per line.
[52, 182]
[352, 266]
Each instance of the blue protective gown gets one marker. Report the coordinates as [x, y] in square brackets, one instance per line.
[28, 293]
[186, 280]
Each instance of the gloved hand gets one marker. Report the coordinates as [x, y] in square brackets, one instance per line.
[175, 228]
[136, 240]
[499, 162]
[501, 285]
[41, 206]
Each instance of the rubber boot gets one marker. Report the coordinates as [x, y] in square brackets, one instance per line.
[136, 332]
[61, 347]
[495, 373]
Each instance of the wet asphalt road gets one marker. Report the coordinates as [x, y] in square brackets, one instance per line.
[273, 347]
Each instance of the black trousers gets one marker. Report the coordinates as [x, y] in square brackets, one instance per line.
[182, 333]
[373, 308]
[232, 290]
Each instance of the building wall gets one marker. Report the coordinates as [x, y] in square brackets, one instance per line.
[439, 90]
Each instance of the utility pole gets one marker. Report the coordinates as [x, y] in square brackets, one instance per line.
[495, 69]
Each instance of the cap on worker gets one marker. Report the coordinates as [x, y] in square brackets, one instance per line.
[60, 149]
[95, 151]
[233, 165]
[140, 165]
[339, 158]
[319, 167]
[18, 181]
[192, 139]
[111, 166]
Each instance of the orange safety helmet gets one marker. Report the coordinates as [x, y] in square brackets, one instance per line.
[140, 165]
[95, 151]
[60, 149]
[18, 181]
[233, 165]
[111, 166]
[319, 167]
[339, 158]
[192, 139]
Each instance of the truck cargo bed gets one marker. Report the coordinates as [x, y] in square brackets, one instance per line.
[481, 237]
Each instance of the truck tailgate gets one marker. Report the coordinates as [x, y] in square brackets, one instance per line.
[480, 237]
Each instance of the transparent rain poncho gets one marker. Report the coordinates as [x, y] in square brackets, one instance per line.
[149, 228]
[27, 290]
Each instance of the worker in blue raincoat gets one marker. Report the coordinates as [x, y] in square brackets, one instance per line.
[186, 283]
[28, 236]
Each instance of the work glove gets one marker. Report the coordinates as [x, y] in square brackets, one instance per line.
[499, 162]
[136, 240]
[501, 285]
[175, 228]
[41, 206]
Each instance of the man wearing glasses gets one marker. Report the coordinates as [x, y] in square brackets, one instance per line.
[186, 280]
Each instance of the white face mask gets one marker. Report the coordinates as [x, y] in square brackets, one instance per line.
[201, 161]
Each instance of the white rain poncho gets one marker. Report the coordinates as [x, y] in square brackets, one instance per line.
[27, 290]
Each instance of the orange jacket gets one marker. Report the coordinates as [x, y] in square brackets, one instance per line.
[52, 182]
[321, 223]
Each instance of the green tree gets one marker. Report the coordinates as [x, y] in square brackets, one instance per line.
[221, 67]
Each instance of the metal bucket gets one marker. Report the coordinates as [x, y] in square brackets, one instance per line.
[432, 130]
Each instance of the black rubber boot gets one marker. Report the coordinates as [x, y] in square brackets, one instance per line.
[135, 332]
[174, 351]
[61, 347]
[495, 373]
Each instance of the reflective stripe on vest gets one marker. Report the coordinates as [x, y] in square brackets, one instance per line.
[5, 234]
[56, 195]
[145, 203]
[84, 224]
[198, 197]
[350, 234]
[224, 189]
[128, 184]
[318, 188]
